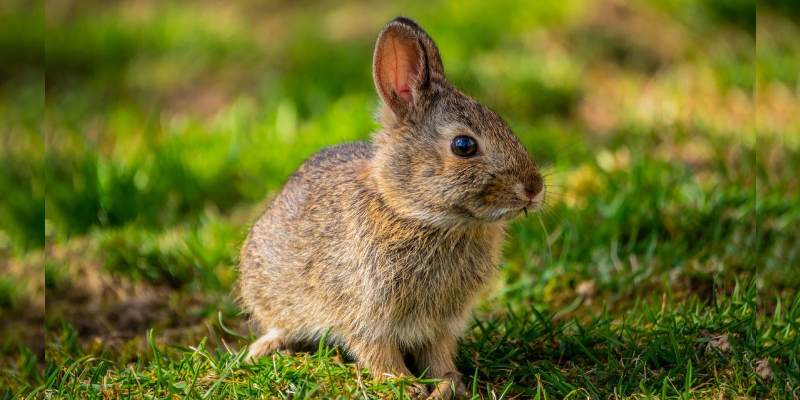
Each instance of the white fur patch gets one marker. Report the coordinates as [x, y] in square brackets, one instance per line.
[257, 348]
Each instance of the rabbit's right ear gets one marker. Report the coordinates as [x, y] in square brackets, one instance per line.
[406, 60]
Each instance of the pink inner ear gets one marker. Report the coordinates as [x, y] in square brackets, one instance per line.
[405, 92]
[402, 72]
[399, 64]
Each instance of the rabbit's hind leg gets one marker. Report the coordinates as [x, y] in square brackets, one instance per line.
[275, 339]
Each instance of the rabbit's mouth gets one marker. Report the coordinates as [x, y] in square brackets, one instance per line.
[530, 206]
[535, 203]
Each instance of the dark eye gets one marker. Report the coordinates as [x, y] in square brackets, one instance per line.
[464, 146]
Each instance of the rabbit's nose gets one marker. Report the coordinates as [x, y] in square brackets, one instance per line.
[534, 186]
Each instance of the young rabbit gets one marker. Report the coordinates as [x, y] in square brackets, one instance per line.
[385, 245]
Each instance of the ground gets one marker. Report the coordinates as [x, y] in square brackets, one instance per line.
[666, 263]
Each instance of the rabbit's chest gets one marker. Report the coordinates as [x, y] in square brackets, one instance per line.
[416, 281]
[426, 283]
[431, 299]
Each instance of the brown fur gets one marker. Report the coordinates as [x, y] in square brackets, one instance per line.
[385, 245]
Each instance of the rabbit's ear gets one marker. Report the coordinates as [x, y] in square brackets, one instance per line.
[406, 60]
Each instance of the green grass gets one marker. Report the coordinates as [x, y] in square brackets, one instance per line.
[663, 350]
[666, 264]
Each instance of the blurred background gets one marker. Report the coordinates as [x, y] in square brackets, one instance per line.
[670, 130]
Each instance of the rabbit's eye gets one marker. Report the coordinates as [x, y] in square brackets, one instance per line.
[464, 146]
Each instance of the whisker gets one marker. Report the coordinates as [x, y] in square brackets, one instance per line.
[545, 213]
[551, 170]
[547, 239]
[553, 197]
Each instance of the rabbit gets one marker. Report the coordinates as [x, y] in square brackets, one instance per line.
[382, 247]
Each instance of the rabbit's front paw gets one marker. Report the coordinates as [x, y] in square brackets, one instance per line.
[450, 387]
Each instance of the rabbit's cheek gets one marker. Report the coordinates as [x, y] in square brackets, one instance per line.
[499, 194]
[489, 198]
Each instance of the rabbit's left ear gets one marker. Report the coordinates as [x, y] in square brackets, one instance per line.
[406, 60]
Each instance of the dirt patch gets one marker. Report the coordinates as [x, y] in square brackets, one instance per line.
[22, 320]
[110, 311]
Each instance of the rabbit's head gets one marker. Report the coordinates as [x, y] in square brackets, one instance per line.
[442, 157]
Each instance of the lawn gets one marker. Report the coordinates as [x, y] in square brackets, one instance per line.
[665, 265]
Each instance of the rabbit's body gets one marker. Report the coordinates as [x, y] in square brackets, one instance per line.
[371, 273]
[385, 245]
